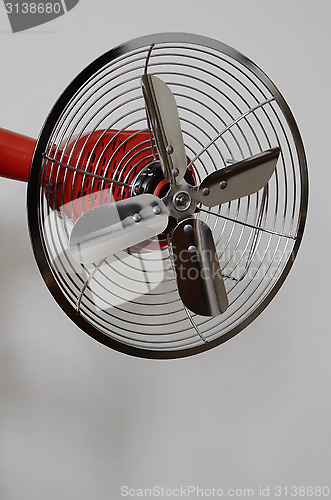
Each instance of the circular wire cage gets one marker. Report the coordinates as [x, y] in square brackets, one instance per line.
[94, 146]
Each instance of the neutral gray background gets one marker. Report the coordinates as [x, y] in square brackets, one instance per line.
[78, 420]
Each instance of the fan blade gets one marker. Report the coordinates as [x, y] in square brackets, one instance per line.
[107, 229]
[199, 276]
[163, 115]
[238, 180]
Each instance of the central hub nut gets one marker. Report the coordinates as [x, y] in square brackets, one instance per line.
[182, 201]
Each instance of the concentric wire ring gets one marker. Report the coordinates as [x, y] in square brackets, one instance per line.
[130, 301]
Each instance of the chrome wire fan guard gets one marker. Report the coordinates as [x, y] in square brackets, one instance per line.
[229, 110]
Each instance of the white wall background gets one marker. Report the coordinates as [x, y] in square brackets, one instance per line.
[78, 420]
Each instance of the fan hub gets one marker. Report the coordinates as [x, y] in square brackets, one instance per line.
[182, 201]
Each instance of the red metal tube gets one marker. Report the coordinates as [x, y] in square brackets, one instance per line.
[16, 152]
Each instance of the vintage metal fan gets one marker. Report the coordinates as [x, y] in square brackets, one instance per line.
[167, 194]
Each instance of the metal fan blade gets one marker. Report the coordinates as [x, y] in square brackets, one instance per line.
[163, 115]
[107, 229]
[199, 276]
[238, 180]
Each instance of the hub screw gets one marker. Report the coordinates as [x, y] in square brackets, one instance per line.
[182, 201]
[206, 192]
[175, 172]
[169, 150]
[223, 184]
[192, 249]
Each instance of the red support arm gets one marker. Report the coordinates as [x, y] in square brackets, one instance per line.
[16, 152]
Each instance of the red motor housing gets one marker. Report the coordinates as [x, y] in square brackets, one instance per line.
[97, 168]
[92, 170]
